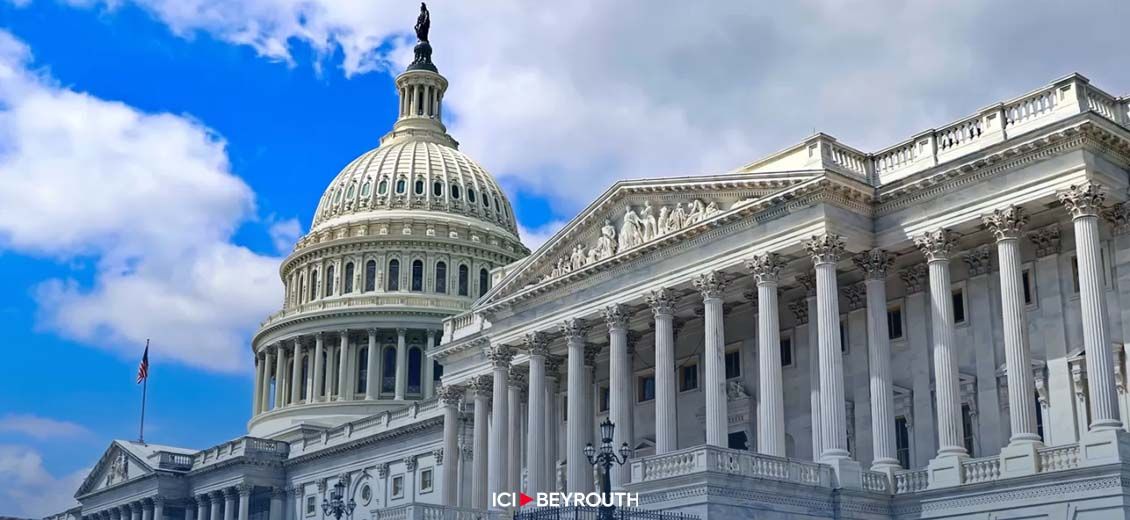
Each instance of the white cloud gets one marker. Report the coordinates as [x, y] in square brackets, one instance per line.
[41, 428]
[535, 237]
[150, 200]
[284, 234]
[28, 490]
[563, 98]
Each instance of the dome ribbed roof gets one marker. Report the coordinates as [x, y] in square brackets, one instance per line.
[414, 175]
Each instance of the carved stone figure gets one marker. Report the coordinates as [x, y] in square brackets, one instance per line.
[577, 260]
[735, 390]
[606, 246]
[648, 223]
[661, 224]
[677, 220]
[711, 210]
[697, 213]
[631, 234]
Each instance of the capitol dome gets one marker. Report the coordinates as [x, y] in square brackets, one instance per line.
[406, 235]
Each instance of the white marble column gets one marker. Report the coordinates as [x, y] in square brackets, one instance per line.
[481, 388]
[937, 246]
[373, 378]
[619, 385]
[771, 398]
[875, 264]
[1006, 226]
[592, 350]
[318, 385]
[277, 353]
[229, 503]
[343, 390]
[552, 425]
[260, 374]
[662, 303]
[536, 445]
[497, 467]
[825, 251]
[401, 364]
[296, 372]
[711, 286]
[332, 354]
[516, 384]
[275, 508]
[579, 472]
[146, 510]
[429, 365]
[450, 397]
[202, 508]
[1085, 203]
[189, 510]
[159, 509]
[244, 491]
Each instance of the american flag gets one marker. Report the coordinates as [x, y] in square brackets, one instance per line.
[143, 368]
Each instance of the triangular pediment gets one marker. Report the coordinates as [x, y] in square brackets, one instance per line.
[636, 216]
[120, 463]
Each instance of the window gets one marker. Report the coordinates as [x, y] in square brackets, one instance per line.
[902, 442]
[733, 364]
[737, 441]
[437, 189]
[330, 281]
[787, 351]
[645, 388]
[366, 494]
[441, 277]
[362, 370]
[418, 275]
[958, 306]
[365, 188]
[400, 185]
[1027, 283]
[497, 205]
[349, 192]
[393, 283]
[455, 191]
[470, 194]
[382, 188]
[486, 201]
[300, 288]
[311, 505]
[415, 363]
[347, 283]
[337, 196]
[894, 322]
[388, 370]
[464, 274]
[426, 480]
[967, 428]
[370, 275]
[398, 486]
[419, 187]
[484, 282]
[313, 284]
[604, 396]
[688, 377]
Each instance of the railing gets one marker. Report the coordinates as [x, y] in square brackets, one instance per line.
[369, 425]
[594, 513]
[1058, 458]
[876, 481]
[452, 303]
[243, 446]
[432, 512]
[702, 459]
[911, 481]
[173, 461]
[984, 469]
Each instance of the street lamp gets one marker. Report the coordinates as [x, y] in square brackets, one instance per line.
[336, 506]
[604, 460]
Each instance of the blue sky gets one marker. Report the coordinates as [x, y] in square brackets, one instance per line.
[158, 157]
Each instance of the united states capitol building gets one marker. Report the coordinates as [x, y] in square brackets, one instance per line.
[932, 330]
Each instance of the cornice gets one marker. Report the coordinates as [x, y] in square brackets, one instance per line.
[371, 312]
[381, 244]
[418, 426]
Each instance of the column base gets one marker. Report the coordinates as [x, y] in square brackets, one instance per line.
[849, 473]
[1105, 446]
[1020, 458]
[945, 470]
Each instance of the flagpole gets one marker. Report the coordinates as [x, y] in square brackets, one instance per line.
[144, 391]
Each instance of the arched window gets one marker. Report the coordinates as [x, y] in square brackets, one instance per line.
[313, 285]
[486, 201]
[330, 281]
[393, 275]
[497, 205]
[471, 194]
[484, 282]
[437, 189]
[362, 369]
[382, 188]
[418, 275]
[455, 191]
[301, 288]
[349, 192]
[370, 275]
[419, 187]
[347, 283]
[441, 277]
[337, 196]
[388, 370]
[365, 188]
[400, 186]
[464, 282]
[415, 364]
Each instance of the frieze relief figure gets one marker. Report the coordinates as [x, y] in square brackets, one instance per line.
[636, 229]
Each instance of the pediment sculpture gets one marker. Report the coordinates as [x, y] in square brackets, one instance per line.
[636, 228]
[119, 469]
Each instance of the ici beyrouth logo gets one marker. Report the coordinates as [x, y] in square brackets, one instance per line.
[520, 499]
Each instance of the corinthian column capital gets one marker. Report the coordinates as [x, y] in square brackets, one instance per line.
[875, 263]
[616, 316]
[765, 268]
[537, 344]
[1083, 200]
[825, 248]
[573, 328]
[500, 355]
[1007, 223]
[450, 395]
[710, 284]
[936, 245]
[661, 301]
[481, 386]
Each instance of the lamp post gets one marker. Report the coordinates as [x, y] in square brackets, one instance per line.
[604, 460]
[336, 506]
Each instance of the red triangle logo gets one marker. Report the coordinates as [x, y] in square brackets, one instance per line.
[524, 499]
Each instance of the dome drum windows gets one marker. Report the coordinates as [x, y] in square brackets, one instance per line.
[366, 188]
[470, 194]
[347, 281]
[455, 191]
[382, 188]
[370, 276]
[464, 280]
[418, 188]
[437, 189]
[329, 281]
[393, 282]
[484, 282]
[441, 277]
[417, 276]
[401, 185]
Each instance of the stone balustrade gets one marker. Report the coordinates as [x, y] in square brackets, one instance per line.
[434, 512]
[876, 481]
[173, 461]
[1058, 458]
[409, 414]
[911, 481]
[455, 303]
[985, 469]
[703, 459]
[241, 447]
